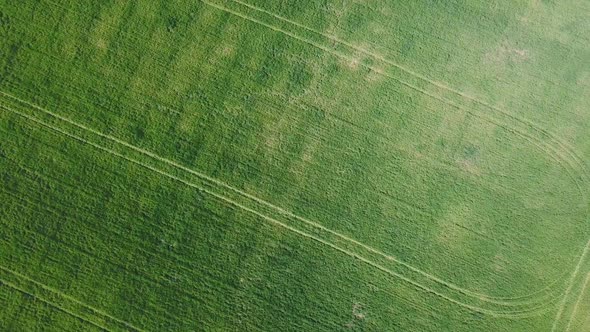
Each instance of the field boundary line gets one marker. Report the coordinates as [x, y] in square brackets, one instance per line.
[273, 220]
[72, 299]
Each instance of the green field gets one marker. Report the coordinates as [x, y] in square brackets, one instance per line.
[266, 165]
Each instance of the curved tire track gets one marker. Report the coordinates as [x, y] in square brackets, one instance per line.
[339, 237]
[563, 154]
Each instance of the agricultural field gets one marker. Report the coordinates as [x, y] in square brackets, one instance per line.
[267, 165]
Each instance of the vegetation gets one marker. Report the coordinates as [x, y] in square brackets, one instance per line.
[221, 165]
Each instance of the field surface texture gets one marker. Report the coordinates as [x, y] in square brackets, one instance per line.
[267, 165]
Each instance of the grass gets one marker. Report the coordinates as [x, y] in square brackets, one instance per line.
[227, 165]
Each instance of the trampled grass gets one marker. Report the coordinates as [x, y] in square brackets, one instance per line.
[294, 166]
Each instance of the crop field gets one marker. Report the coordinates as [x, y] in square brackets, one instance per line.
[267, 165]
